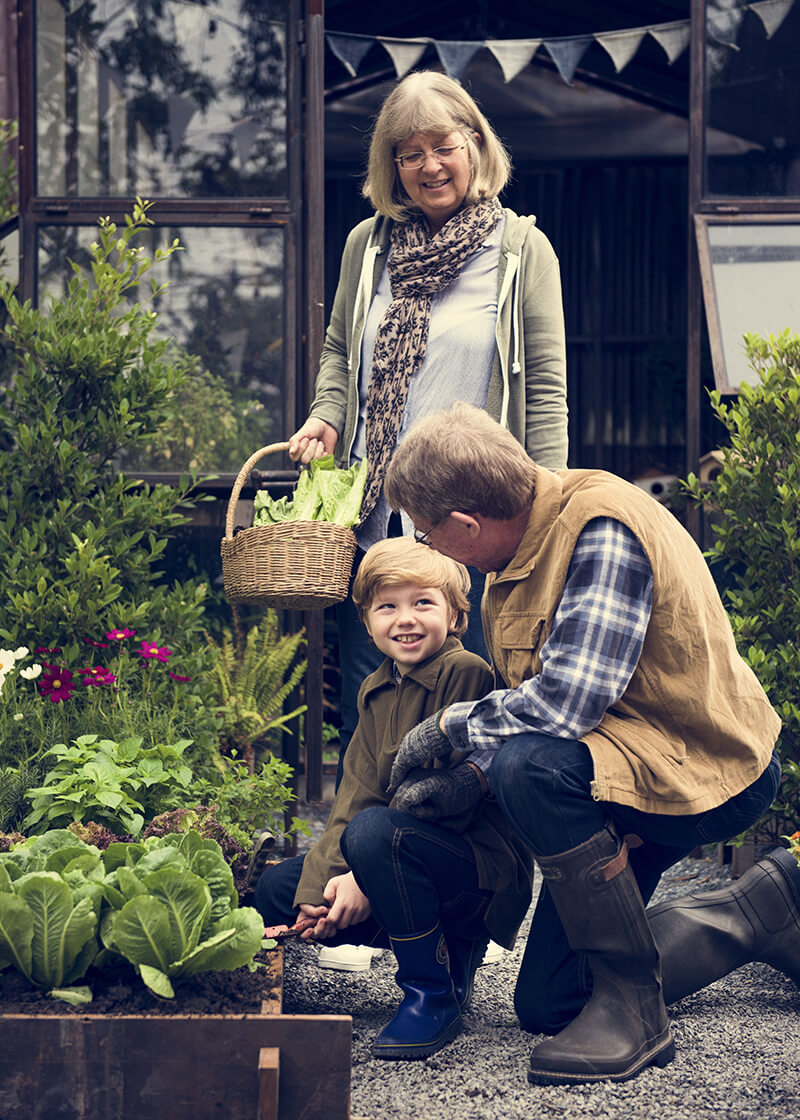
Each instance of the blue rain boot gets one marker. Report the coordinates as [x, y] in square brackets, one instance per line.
[429, 1016]
[466, 956]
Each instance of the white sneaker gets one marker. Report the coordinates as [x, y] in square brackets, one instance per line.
[348, 958]
[494, 952]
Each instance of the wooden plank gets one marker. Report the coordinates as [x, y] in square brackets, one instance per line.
[93, 1067]
[272, 1004]
[269, 1061]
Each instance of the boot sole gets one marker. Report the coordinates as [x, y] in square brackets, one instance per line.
[413, 1050]
[660, 1056]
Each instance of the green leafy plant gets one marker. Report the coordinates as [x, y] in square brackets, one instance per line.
[323, 493]
[112, 783]
[254, 682]
[167, 905]
[173, 911]
[78, 539]
[754, 510]
[247, 802]
[50, 906]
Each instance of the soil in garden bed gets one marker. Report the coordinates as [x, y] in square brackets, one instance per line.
[118, 990]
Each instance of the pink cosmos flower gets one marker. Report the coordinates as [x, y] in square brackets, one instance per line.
[151, 652]
[97, 675]
[117, 635]
[175, 677]
[57, 684]
[95, 645]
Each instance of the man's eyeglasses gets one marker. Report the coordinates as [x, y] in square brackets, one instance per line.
[412, 161]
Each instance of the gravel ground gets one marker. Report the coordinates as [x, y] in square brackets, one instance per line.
[736, 1043]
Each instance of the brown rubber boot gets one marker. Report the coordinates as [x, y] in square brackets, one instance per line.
[702, 937]
[624, 1026]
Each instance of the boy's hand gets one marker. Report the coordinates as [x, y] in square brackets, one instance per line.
[431, 794]
[421, 744]
[348, 903]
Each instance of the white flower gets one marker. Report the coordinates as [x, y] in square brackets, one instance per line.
[31, 673]
[18, 715]
[7, 660]
[21, 652]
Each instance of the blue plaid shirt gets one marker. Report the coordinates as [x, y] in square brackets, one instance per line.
[588, 659]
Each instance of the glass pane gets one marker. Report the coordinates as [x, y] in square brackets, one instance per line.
[161, 98]
[752, 81]
[224, 305]
[755, 270]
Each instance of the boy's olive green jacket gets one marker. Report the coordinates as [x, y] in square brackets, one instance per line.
[389, 707]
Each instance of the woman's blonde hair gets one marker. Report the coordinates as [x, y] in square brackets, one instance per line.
[399, 560]
[427, 101]
[460, 459]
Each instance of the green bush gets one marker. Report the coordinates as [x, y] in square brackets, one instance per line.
[78, 540]
[754, 511]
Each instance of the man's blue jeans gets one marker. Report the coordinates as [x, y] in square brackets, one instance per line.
[543, 785]
[414, 874]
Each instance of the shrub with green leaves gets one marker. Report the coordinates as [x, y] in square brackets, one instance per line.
[754, 512]
[78, 540]
[119, 785]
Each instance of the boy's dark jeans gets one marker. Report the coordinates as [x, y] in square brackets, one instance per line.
[413, 872]
[544, 787]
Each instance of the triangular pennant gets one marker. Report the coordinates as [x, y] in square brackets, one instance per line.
[772, 13]
[180, 111]
[456, 56]
[349, 49]
[244, 134]
[513, 54]
[404, 53]
[567, 53]
[673, 38]
[621, 46]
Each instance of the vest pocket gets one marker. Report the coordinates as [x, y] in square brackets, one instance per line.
[519, 639]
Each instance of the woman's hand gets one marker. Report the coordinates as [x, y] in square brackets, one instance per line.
[312, 441]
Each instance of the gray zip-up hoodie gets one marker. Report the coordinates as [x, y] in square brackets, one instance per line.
[527, 390]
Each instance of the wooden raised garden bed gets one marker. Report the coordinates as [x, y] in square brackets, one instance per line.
[267, 1066]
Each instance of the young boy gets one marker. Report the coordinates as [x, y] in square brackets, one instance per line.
[379, 876]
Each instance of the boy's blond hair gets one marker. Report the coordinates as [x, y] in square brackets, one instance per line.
[399, 560]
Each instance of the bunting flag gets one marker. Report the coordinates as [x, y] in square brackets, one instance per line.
[513, 55]
[567, 53]
[673, 38]
[404, 53]
[772, 13]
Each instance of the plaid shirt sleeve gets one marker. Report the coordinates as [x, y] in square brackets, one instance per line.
[588, 659]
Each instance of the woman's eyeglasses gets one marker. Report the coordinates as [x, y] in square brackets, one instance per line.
[422, 538]
[412, 161]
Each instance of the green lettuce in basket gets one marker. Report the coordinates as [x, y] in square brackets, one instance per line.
[323, 493]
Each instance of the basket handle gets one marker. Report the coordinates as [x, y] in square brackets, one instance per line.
[240, 481]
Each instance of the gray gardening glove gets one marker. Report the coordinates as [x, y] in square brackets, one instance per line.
[431, 794]
[422, 744]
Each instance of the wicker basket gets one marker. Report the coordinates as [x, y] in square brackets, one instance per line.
[289, 565]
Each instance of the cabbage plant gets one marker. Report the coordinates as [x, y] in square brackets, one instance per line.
[168, 905]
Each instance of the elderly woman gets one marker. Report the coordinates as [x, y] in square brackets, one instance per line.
[443, 295]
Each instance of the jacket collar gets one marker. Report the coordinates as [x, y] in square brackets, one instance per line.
[426, 674]
[547, 502]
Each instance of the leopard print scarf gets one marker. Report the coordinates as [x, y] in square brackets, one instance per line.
[419, 267]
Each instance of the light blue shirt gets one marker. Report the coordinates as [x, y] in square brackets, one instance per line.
[458, 359]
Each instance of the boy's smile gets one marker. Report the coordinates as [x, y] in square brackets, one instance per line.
[409, 623]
